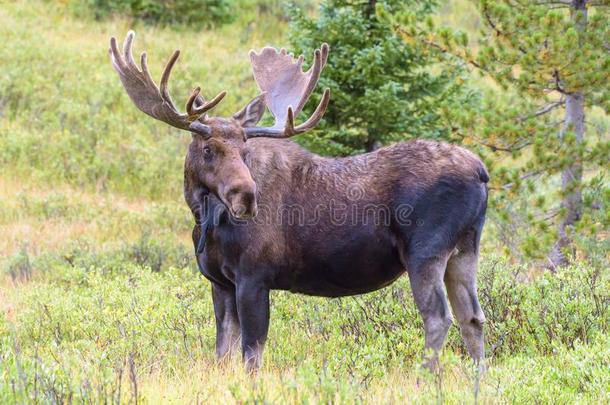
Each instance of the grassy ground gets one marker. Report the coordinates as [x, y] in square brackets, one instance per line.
[99, 297]
[100, 326]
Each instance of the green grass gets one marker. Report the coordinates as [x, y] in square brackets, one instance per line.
[67, 119]
[99, 296]
[87, 326]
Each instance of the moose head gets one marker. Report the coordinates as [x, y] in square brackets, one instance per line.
[218, 144]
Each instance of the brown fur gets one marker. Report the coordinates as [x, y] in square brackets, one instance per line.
[443, 184]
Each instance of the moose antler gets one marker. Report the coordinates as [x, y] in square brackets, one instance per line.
[287, 88]
[156, 101]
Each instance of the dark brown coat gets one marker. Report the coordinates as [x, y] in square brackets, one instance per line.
[336, 227]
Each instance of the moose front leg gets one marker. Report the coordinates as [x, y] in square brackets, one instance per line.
[227, 321]
[253, 310]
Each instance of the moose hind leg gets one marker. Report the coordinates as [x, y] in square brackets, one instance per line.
[426, 277]
[460, 280]
[227, 321]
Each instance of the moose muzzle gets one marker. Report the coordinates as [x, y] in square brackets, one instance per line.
[240, 198]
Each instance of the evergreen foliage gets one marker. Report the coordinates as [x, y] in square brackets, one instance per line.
[383, 89]
[550, 66]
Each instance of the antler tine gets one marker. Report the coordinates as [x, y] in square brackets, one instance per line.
[191, 101]
[314, 73]
[127, 49]
[117, 62]
[317, 114]
[289, 128]
[145, 72]
[165, 78]
[325, 50]
[203, 107]
[152, 100]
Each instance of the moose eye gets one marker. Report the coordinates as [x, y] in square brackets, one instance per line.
[207, 151]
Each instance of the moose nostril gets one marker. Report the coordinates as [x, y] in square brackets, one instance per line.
[240, 211]
[241, 199]
[243, 192]
[231, 193]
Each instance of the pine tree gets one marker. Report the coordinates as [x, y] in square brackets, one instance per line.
[551, 61]
[383, 90]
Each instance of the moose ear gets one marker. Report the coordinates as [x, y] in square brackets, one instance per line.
[252, 113]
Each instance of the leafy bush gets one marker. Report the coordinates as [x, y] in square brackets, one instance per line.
[198, 13]
[153, 252]
[19, 266]
[277, 8]
[538, 315]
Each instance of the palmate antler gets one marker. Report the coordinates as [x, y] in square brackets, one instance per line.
[287, 88]
[156, 101]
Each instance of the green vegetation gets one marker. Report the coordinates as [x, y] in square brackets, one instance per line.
[97, 326]
[194, 14]
[383, 90]
[199, 13]
[544, 123]
[100, 299]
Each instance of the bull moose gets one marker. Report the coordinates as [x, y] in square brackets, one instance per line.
[272, 215]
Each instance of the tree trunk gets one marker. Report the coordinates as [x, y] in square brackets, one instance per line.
[571, 177]
[371, 143]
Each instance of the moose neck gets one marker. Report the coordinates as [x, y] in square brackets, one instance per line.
[272, 163]
[286, 174]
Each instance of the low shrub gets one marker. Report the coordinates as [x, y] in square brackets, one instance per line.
[19, 266]
[534, 316]
[198, 13]
[149, 252]
[99, 322]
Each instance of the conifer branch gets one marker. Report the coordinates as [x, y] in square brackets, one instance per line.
[498, 32]
[441, 48]
[544, 110]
